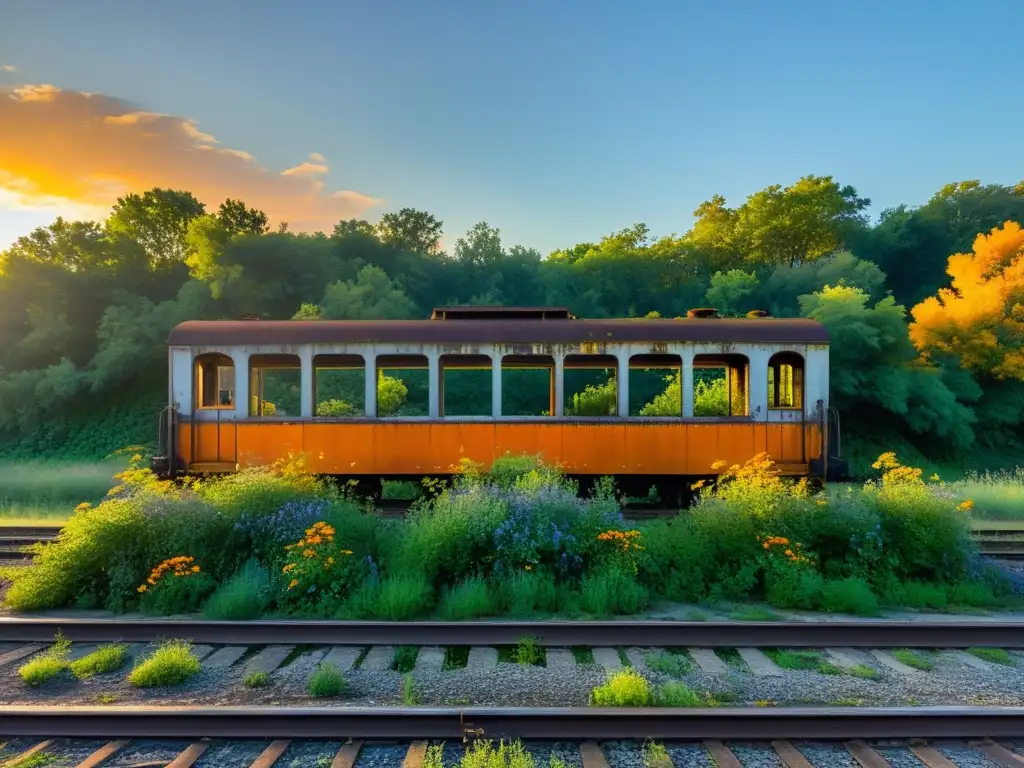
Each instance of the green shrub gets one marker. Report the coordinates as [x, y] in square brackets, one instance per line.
[863, 671]
[625, 688]
[256, 680]
[109, 658]
[972, 594]
[672, 664]
[48, 665]
[402, 597]
[915, 594]
[483, 754]
[850, 595]
[469, 599]
[676, 694]
[527, 652]
[171, 664]
[795, 587]
[526, 593]
[612, 591]
[326, 680]
[244, 596]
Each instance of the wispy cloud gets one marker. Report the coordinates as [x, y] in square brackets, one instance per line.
[8, 68]
[66, 150]
[317, 157]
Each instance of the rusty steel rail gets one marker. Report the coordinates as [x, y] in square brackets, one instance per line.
[512, 722]
[709, 634]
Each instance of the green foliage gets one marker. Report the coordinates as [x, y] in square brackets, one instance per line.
[409, 697]
[677, 694]
[730, 291]
[527, 652]
[48, 665]
[993, 655]
[109, 658]
[405, 658]
[595, 400]
[170, 664]
[849, 595]
[244, 596]
[912, 658]
[469, 599]
[256, 680]
[612, 591]
[668, 663]
[483, 754]
[625, 688]
[326, 681]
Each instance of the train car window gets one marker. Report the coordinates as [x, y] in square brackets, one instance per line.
[339, 386]
[215, 381]
[403, 386]
[466, 385]
[785, 381]
[721, 385]
[589, 385]
[655, 386]
[527, 385]
[275, 385]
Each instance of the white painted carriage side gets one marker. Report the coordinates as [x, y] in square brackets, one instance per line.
[182, 377]
[816, 378]
[816, 374]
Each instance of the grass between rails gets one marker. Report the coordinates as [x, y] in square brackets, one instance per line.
[517, 541]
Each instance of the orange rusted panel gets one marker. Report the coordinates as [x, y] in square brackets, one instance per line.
[598, 449]
[425, 448]
[183, 443]
[260, 444]
[340, 448]
[656, 449]
[207, 441]
[530, 439]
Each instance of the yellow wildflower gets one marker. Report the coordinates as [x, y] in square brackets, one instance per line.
[293, 583]
[143, 588]
[965, 506]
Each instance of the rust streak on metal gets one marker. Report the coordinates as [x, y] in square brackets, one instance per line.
[282, 332]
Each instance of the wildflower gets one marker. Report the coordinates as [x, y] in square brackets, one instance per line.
[965, 506]
[293, 583]
[288, 568]
[143, 588]
[719, 464]
[934, 478]
[83, 506]
[346, 551]
[697, 486]
[527, 567]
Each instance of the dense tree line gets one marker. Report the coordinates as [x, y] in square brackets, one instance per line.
[928, 345]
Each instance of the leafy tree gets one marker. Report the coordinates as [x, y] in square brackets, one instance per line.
[353, 227]
[874, 367]
[307, 312]
[371, 296]
[777, 225]
[157, 220]
[237, 219]
[785, 284]
[410, 230]
[206, 241]
[980, 319]
[730, 291]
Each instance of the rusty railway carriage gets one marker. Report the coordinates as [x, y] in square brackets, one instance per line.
[777, 372]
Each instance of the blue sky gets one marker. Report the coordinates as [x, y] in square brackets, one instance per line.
[557, 122]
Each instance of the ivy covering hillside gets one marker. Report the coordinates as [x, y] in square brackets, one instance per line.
[924, 306]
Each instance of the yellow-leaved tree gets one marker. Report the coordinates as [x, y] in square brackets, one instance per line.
[980, 320]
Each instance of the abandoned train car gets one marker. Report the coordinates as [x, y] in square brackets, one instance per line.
[777, 373]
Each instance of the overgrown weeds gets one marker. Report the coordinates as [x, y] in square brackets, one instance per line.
[170, 664]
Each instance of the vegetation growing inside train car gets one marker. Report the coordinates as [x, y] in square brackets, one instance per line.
[516, 540]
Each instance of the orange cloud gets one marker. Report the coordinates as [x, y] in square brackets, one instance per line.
[71, 151]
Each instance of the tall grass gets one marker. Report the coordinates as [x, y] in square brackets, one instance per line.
[996, 495]
[34, 492]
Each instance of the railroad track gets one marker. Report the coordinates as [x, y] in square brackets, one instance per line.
[711, 731]
[549, 634]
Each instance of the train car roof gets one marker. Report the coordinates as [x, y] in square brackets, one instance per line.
[762, 330]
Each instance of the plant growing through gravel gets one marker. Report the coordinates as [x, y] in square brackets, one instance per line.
[654, 755]
[405, 658]
[994, 655]
[625, 688]
[672, 663]
[527, 652]
[809, 660]
[434, 756]
[863, 671]
[326, 680]
[256, 680]
[409, 696]
[51, 663]
[171, 664]
[38, 760]
[483, 754]
[455, 657]
[106, 659]
[676, 694]
[913, 659]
